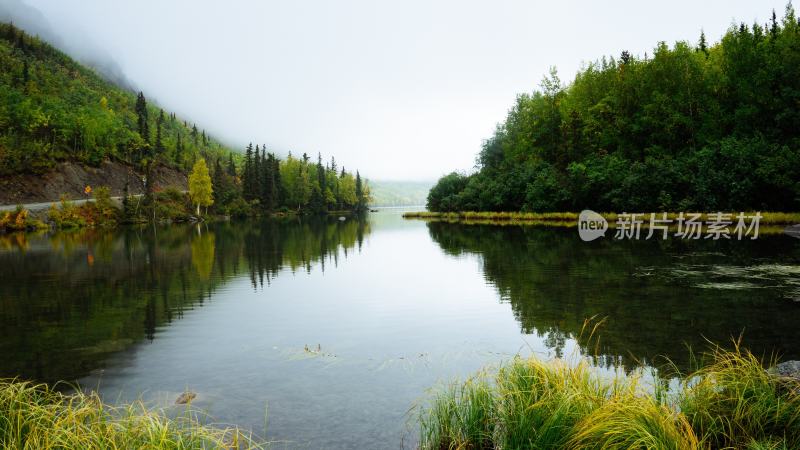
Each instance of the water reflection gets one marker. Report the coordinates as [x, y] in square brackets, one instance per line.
[70, 300]
[658, 296]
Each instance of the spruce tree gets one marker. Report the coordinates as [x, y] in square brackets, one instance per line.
[159, 143]
[141, 113]
[360, 204]
[247, 177]
[218, 181]
[231, 166]
[277, 187]
[703, 45]
[321, 178]
[179, 149]
[256, 175]
[263, 177]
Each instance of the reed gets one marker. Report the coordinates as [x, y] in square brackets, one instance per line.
[34, 416]
[732, 402]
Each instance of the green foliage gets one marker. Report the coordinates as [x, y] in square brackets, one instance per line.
[200, 190]
[19, 220]
[706, 128]
[54, 109]
[275, 184]
[731, 403]
[102, 212]
[734, 403]
[37, 416]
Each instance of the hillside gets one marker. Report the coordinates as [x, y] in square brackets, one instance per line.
[399, 193]
[691, 127]
[54, 110]
[62, 126]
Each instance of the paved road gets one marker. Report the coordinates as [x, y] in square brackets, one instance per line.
[40, 206]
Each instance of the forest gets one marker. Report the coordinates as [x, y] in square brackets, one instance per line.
[54, 109]
[689, 127]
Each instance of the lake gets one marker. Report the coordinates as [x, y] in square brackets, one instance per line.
[326, 334]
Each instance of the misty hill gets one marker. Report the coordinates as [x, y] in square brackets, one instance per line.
[399, 193]
[54, 109]
[74, 42]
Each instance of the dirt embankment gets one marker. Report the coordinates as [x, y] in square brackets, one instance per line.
[71, 178]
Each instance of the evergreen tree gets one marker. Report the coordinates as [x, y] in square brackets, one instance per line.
[231, 166]
[159, 143]
[179, 149]
[773, 29]
[247, 176]
[361, 203]
[263, 178]
[141, 114]
[219, 183]
[276, 190]
[703, 45]
[321, 178]
[256, 175]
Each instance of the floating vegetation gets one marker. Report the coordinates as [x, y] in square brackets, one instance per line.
[717, 276]
[732, 285]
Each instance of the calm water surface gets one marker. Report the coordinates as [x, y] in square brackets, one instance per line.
[326, 334]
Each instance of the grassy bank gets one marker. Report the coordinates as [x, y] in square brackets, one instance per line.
[731, 402]
[778, 220]
[37, 417]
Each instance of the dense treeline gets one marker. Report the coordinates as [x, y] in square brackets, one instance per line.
[703, 127]
[266, 183]
[54, 109]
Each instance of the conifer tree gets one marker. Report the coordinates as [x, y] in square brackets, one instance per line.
[321, 176]
[247, 176]
[360, 203]
[159, 142]
[141, 113]
[703, 45]
[255, 191]
[231, 166]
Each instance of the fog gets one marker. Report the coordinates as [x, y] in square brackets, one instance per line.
[399, 90]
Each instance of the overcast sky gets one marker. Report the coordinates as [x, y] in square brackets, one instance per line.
[400, 90]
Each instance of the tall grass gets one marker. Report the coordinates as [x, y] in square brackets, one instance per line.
[732, 402]
[37, 417]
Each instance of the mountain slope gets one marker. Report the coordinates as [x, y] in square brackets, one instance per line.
[54, 109]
